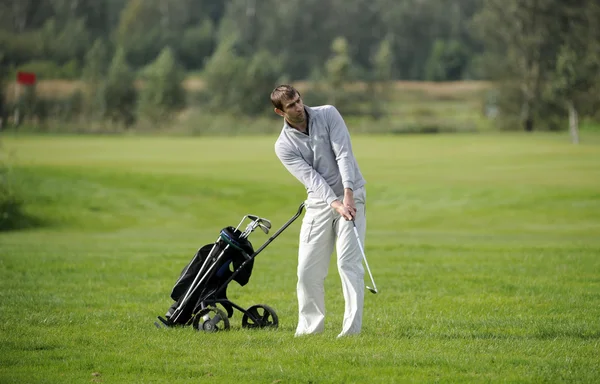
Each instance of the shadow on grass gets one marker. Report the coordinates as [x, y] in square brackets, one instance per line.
[14, 219]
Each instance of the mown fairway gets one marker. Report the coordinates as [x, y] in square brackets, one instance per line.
[485, 249]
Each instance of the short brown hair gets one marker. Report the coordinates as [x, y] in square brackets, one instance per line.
[283, 92]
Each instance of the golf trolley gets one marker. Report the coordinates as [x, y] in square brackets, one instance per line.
[203, 282]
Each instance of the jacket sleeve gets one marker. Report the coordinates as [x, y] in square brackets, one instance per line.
[306, 174]
[341, 146]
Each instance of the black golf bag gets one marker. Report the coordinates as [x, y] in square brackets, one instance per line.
[202, 284]
[221, 269]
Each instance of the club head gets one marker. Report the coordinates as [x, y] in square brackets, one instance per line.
[263, 224]
[373, 290]
[261, 220]
[264, 228]
[266, 223]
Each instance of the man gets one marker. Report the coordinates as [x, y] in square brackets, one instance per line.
[314, 146]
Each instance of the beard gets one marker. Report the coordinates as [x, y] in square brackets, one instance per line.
[297, 118]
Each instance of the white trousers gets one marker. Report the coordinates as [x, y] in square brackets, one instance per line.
[322, 229]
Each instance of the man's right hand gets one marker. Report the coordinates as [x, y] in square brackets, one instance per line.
[342, 210]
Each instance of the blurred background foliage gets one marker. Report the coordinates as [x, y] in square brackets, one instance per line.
[207, 67]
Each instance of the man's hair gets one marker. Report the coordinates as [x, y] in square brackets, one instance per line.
[283, 92]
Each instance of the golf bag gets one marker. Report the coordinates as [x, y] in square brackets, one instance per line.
[221, 270]
[203, 282]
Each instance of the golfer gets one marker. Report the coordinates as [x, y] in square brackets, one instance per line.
[314, 146]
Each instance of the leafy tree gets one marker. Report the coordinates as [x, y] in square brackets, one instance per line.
[19, 16]
[576, 76]
[96, 62]
[447, 62]
[222, 75]
[64, 43]
[435, 70]
[139, 32]
[197, 44]
[520, 47]
[261, 76]
[17, 49]
[383, 61]
[163, 91]
[240, 84]
[3, 106]
[338, 69]
[297, 32]
[119, 92]
[359, 22]
[147, 26]
[98, 16]
[94, 75]
[381, 82]
[405, 21]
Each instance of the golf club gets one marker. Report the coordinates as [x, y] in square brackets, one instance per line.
[374, 289]
[260, 220]
[262, 223]
[264, 228]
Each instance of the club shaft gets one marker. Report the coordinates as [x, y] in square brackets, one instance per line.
[363, 255]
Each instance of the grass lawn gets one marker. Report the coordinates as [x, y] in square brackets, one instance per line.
[485, 249]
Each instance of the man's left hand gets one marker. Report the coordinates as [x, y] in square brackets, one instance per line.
[349, 202]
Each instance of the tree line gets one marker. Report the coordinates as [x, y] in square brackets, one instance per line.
[543, 55]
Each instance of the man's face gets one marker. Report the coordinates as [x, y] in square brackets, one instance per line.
[293, 110]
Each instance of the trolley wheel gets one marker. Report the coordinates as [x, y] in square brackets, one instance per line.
[211, 319]
[260, 316]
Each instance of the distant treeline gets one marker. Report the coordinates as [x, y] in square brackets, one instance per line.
[544, 55]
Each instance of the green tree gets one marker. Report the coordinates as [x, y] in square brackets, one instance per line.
[140, 32]
[197, 44]
[240, 84]
[3, 106]
[96, 62]
[338, 69]
[297, 32]
[261, 76]
[19, 16]
[359, 22]
[435, 70]
[520, 48]
[381, 84]
[406, 21]
[447, 62]
[383, 61]
[576, 80]
[64, 43]
[163, 91]
[94, 75]
[566, 86]
[222, 75]
[147, 26]
[119, 92]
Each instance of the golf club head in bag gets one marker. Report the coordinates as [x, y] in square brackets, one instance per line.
[261, 222]
[256, 222]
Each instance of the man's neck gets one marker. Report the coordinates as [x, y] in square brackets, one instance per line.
[300, 127]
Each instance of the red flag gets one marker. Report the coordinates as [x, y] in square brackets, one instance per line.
[26, 78]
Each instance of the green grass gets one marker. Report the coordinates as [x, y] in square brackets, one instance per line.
[484, 247]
